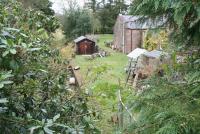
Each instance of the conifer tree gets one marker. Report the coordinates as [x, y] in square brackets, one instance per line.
[170, 104]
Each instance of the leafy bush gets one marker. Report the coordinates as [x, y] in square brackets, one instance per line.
[34, 92]
[170, 105]
[156, 39]
[77, 22]
[182, 17]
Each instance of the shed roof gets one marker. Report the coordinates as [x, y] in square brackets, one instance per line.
[139, 22]
[154, 54]
[79, 39]
[136, 53]
[128, 18]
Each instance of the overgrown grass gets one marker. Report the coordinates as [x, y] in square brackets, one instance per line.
[58, 39]
[102, 39]
[113, 65]
[59, 42]
[102, 78]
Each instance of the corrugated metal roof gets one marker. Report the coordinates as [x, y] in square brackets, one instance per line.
[80, 39]
[146, 23]
[139, 22]
[136, 53]
[128, 18]
[155, 54]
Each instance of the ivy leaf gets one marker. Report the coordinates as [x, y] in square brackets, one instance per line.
[49, 123]
[10, 42]
[41, 132]
[7, 82]
[12, 29]
[4, 41]
[56, 117]
[4, 100]
[24, 45]
[44, 111]
[24, 35]
[41, 30]
[91, 126]
[13, 51]
[62, 125]
[14, 64]
[33, 128]
[6, 75]
[5, 53]
[44, 71]
[1, 85]
[5, 33]
[48, 131]
[195, 22]
[2, 46]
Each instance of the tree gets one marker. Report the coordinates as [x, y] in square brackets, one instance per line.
[92, 4]
[170, 104]
[77, 22]
[107, 12]
[182, 16]
[42, 5]
[96, 24]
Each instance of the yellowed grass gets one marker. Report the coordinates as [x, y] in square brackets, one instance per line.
[58, 39]
[67, 51]
[58, 35]
[59, 42]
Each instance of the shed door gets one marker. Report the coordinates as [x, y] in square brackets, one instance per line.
[85, 48]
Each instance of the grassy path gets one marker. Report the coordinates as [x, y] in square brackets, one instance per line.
[101, 79]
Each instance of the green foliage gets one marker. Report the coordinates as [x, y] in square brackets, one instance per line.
[156, 40]
[183, 17]
[96, 24]
[170, 104]
[76, 23]
[42, 5]
[108, 14]
[3, 77]
[100, 19]
[34, 93]
[106, 90]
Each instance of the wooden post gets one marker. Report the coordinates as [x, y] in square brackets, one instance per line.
[120, 111]
[129, 71]
[135, 80]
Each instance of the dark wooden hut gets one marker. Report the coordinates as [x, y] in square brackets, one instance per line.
[85, 46]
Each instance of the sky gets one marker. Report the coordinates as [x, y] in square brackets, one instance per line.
[59, 5]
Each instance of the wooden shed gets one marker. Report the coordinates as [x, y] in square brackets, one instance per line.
[126, 39]
[85, 46]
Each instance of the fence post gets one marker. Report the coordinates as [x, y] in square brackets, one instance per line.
[120, 110]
